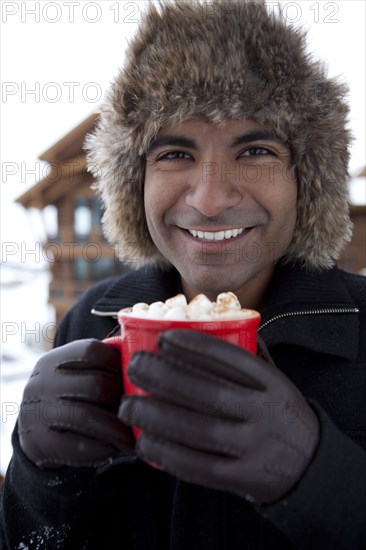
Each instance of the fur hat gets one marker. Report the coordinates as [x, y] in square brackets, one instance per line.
[223, 60]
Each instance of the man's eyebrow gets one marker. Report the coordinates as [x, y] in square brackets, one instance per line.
[182, 141]
[179, 141]
[260, 135]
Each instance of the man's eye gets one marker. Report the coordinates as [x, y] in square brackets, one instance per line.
[175, 155]
[254, 151]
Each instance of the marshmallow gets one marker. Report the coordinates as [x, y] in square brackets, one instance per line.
[157, 310]
[176, 313]
[140, 306]
[202, 302]
[228, 299]
[131, 312]
[177, 301]
[200, 308]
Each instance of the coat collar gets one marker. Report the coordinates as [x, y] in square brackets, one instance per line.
[147, 284]
[311, 310]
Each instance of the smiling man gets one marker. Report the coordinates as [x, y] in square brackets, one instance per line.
[220, 205]
[221, 157]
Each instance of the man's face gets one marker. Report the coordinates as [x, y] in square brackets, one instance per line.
[220, 203]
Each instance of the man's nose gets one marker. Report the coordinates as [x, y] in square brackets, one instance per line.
[216, 186]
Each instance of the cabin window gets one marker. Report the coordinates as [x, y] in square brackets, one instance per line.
[82, 219]
[50, 219]
[81, 269]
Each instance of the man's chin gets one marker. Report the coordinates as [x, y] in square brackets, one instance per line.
[212, 280]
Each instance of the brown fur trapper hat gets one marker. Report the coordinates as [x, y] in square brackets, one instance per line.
[223, 60]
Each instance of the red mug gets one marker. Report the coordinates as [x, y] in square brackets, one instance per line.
[142, 334]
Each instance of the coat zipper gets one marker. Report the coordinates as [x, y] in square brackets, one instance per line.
[308, 312]
[271, 320]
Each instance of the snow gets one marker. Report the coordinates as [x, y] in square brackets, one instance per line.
[26, 325]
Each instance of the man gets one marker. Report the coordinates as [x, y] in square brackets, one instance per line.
[221, 158]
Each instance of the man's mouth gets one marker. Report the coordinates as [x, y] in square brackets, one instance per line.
[217, 235]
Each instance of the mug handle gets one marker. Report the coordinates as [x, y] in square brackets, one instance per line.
[114, 341]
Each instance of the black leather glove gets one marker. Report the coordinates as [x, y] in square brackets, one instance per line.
[220, 417]
[68, 412]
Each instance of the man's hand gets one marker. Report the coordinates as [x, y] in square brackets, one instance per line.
[220, 417]
[68, 413]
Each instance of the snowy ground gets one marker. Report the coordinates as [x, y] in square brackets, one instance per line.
[26, 323]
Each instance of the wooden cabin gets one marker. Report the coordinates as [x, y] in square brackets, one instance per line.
[77, 251]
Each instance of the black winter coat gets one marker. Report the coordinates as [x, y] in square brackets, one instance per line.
[313, 327]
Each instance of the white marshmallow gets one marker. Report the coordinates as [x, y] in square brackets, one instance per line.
[140, 306]
[204, 317]
[139, 313]
[229, 300]
[175, 314]
[198, 306]
[157, 310]
[220, 311]
[177, 301]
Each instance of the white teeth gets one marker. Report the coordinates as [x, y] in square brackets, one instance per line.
[216, 235]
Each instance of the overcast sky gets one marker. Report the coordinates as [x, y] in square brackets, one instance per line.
[57, 58]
